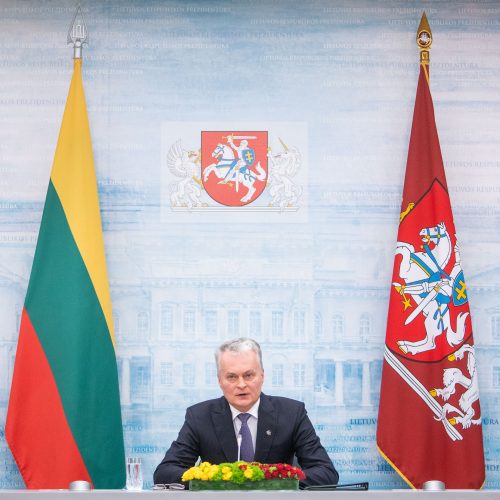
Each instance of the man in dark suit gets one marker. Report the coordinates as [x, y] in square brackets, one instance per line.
[246, 424]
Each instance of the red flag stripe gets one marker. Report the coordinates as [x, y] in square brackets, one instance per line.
[43, 421]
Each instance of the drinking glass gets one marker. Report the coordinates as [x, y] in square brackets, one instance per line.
[134, 474]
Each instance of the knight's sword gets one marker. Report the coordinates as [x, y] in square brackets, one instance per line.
[239, 137]
[417, 386]
[430, 296]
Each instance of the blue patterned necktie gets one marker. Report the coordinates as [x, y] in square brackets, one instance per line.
[246, 448]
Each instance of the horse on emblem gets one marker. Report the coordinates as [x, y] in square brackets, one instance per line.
[430, 287]
[230, 169]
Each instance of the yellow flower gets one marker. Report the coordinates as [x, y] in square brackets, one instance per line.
[197, 473]
[188, 475]
[227, 476]
[226, 469]
[248, 473]
[204, 477]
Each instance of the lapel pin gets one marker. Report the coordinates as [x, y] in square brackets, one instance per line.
[268, 432]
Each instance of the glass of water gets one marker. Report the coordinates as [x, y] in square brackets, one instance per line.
[134, 474]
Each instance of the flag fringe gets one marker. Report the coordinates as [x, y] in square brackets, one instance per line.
[391, 463]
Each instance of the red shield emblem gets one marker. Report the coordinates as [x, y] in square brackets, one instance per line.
[424, 316]
[234, 166]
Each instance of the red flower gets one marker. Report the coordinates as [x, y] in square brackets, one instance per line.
[279, 471]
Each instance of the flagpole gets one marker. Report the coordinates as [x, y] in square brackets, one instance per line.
[78, 33]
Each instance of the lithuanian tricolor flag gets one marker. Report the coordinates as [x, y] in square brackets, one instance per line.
[64, 421]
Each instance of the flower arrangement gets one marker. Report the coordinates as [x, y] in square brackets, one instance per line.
[242, 474]
[282, 471]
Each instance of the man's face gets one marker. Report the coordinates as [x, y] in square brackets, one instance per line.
[240, 378]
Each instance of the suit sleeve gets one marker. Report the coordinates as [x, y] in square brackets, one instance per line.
[312, 457]
[182, 454]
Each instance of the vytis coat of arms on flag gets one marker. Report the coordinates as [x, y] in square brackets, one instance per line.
[429, 317]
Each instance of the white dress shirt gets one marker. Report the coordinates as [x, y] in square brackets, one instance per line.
[252, 420]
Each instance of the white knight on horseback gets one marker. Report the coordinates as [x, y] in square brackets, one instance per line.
[237, 169]
[431, 288]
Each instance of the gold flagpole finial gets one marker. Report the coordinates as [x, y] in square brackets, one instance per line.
[424, 39]
[78, 33]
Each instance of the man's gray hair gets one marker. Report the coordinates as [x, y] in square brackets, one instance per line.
[242, 344]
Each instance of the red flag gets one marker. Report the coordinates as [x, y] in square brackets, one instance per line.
[429, 425]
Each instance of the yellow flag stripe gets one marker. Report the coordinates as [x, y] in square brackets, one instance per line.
[73, 177]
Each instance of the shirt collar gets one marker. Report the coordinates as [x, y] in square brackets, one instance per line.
[254, 410]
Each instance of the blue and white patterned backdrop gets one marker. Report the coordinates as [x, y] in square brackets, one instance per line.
[307, 274]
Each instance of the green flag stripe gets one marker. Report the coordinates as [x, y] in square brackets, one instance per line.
[68, 319]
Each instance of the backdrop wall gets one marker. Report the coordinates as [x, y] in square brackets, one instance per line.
[306, 273]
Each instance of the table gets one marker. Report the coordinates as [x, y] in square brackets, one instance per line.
[249, 495]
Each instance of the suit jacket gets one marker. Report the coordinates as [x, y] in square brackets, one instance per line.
[284, 431]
